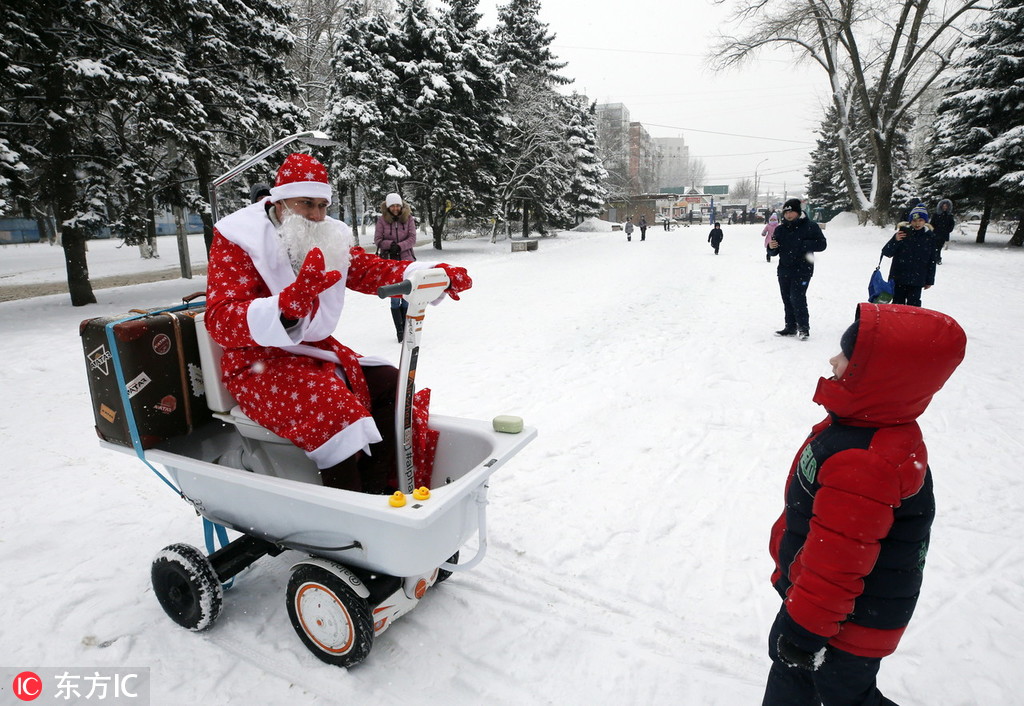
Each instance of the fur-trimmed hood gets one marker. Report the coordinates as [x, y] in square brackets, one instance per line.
[938, 207]
[905, 225]
[403, 217]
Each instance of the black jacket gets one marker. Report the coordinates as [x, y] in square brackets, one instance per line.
[796, 239]
[913, 258]
[715, 236]
[943, 222]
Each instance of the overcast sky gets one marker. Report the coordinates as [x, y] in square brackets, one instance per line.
[650, 55]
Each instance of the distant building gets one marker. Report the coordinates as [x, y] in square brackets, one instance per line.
[675, 162]
[631, 157]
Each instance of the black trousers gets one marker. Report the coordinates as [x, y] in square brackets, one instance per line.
[843, 679]
[377, 472]
[793, 289]
[903, 294]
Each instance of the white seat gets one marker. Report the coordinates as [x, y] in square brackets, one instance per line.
[218, 398]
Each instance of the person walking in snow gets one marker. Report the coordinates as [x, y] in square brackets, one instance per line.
[629, 228]
[278, 271]
[943, 224]
[794, 241]
[642, 224]
[716, 236]
[766, 233]
[850, 545]
[395, 238]
[913, 252]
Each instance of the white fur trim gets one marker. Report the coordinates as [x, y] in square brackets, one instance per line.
[301, 189]
[250, 229]
[355, 437]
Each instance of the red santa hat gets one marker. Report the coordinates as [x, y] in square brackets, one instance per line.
[301, 175]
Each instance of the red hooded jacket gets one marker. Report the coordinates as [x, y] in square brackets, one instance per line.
[849, 548]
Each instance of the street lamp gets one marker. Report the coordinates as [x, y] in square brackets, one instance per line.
[310, 137]
[757, 184]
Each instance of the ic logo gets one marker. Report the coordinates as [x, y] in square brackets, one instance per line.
[27, 686]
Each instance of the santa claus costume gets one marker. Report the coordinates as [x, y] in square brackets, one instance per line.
[291, 376]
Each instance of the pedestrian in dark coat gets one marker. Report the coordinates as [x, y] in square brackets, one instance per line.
[943, 224]
[793, 242]
[643, 227]
[913, 253]
[715, 237]
[850, 546]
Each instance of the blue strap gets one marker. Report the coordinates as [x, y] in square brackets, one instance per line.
[133, 428]
[209, 527]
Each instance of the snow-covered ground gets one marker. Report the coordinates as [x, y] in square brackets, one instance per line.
[628, 560]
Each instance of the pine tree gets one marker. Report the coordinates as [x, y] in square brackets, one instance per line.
[240, 94]
[63, 62]
[362, 102]
[980, 127]
[523, 44]
[451, 96]
[586, 193]
[536, 178]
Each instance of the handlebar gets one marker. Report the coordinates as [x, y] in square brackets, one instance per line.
[395, 290]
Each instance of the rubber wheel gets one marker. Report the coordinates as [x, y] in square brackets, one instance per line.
[443, 574]
[187, 586]
[331, 619]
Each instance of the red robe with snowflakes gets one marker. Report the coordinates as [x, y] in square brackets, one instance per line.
[293, 381]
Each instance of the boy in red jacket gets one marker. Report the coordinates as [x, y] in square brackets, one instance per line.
[850, 546]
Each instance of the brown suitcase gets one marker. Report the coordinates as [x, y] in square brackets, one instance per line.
[156, 357]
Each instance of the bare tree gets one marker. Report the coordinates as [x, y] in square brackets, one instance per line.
[744, 190]
[538, 143]
[316, 28]
[698, 172]
[878, 56]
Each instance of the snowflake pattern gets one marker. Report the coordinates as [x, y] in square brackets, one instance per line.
[301, 167]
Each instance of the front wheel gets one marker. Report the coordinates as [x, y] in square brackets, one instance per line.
[444, 574]
[332, 621]
[187, 586]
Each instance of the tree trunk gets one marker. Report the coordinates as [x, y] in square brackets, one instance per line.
[61, 178]
[986, 216]
[357, 224]
[79, 286]
[148, 246]
[1018, 235]
[526, 219]
[881, 202]
[202, 163]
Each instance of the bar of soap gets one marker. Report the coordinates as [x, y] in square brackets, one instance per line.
[508, 424]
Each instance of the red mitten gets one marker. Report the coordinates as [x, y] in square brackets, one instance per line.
[296, 300]
[458, 280]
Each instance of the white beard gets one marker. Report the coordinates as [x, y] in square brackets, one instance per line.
[299, 235]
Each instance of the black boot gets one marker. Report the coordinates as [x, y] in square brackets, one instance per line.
[399, 318]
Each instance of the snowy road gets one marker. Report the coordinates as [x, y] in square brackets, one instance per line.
[627, 561]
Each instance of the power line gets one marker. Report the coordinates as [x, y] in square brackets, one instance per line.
[728, 134]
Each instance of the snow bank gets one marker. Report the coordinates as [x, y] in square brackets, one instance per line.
[595, 225]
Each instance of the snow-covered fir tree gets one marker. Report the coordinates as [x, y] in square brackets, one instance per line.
[523, 44]
[979, 136]
[243, 96]
[361, 106]
[586, 195]
[827, 186]
[538, 176]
